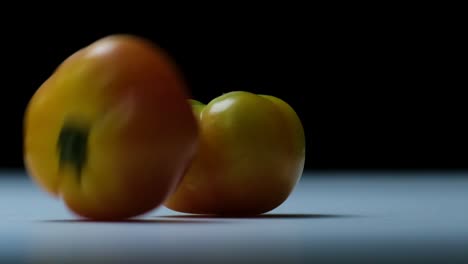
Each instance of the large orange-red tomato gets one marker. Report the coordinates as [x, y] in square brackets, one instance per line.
[110, 131]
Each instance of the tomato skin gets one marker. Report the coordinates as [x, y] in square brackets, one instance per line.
[251, 155]
[110, 131]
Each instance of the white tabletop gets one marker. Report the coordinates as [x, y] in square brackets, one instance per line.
[348, 217]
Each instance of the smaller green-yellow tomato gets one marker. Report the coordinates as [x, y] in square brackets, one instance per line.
[251, 156]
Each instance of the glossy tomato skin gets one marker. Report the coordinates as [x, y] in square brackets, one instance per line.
[251, 155]
[110, 131]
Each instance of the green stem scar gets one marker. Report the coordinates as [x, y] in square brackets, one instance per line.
[72, 146]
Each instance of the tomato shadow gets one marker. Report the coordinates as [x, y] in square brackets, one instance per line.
[263, 216]
[134, 221]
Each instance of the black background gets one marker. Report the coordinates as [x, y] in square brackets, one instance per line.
[375, 90]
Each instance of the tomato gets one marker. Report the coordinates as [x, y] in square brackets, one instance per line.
[251, 156]
[110, 131]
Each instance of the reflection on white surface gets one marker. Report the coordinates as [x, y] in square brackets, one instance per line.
[161, 242]
[337, 218]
